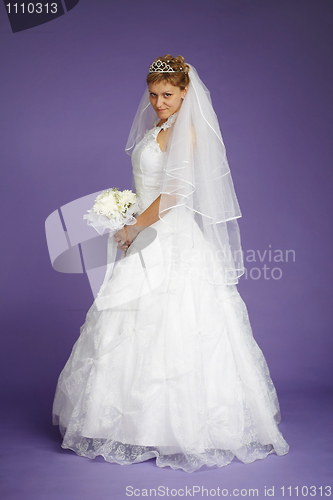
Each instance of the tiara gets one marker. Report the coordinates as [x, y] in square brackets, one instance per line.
[162, 67]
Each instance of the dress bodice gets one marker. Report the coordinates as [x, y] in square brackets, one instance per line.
[148, 161]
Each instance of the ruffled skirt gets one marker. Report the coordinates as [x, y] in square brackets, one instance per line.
[166, 365]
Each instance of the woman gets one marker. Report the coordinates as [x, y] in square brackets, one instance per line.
[166, 365]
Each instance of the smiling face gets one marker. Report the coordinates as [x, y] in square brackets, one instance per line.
[165, 98]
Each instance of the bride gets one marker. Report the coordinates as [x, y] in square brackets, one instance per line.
[166, 365]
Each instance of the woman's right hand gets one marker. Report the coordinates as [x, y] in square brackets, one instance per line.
[125, 236]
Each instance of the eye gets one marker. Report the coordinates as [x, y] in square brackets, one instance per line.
[152, 94]
[167, 95]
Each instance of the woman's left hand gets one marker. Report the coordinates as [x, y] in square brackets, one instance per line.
[125, 236]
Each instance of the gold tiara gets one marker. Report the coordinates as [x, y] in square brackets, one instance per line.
[163, 67]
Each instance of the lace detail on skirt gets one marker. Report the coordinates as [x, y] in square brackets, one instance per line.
[153, 386]
[166, 456]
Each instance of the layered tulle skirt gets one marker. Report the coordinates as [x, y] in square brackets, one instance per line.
[166, 365]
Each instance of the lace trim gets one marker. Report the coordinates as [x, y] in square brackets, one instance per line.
[150, 137]
[190, 460]
[170, 121]
[149, 140]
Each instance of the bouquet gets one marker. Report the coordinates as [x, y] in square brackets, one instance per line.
[113, 209]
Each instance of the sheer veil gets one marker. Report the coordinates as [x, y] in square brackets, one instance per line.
[197, 179]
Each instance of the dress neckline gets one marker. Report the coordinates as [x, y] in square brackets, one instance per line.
[170, 121]
[167, 124]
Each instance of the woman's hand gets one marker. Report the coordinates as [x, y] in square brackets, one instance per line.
[145, 219]
[125, 236]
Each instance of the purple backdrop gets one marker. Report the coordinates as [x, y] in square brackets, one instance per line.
[69, 91]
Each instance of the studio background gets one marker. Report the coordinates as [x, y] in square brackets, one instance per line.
[69, 92]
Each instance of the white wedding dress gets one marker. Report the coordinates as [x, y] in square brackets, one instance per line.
[168, 368]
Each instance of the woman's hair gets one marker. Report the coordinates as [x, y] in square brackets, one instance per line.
[178, 79]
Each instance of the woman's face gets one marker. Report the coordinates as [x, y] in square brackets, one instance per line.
[165, 98]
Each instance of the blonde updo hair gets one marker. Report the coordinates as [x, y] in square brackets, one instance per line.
[179, 79]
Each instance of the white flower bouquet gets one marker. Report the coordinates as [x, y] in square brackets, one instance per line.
[113, 209]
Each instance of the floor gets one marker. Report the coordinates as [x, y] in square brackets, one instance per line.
[35, 467]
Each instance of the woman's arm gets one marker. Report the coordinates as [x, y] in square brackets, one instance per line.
[148, 217]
